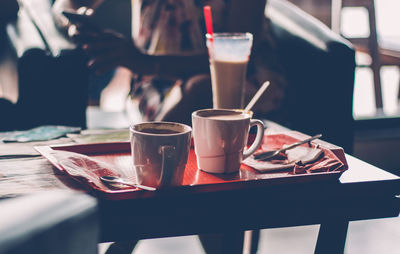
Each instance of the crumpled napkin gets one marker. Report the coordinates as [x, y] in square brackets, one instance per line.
[87, 169]
[300, 160]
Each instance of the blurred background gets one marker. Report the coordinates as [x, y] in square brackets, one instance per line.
[377, 137]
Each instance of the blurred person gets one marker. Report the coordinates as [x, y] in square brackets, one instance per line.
[167, 56]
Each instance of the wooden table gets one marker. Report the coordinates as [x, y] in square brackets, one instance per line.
[362, 192]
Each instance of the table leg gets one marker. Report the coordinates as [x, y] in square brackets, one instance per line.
[125, 247]
[251, 240]
[332, 237]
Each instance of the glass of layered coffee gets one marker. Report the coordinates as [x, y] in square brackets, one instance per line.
[229, 54]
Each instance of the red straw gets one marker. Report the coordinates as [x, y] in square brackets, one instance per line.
[208, 18]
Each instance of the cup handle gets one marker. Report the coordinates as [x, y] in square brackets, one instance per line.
[168, 158]
[258, 140]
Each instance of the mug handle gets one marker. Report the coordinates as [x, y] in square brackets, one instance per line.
[258, 140]
[168, 158]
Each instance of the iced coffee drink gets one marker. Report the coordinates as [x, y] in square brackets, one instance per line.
[229, 54]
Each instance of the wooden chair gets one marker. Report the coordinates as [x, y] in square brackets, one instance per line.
[369, 45]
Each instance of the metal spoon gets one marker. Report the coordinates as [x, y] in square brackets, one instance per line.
[118, 180]
[270, 154]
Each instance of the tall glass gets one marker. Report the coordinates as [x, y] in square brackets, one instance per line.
[229, 54]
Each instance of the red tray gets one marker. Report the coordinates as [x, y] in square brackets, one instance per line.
[195, 180]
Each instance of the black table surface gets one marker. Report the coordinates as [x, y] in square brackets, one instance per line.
[362, 192]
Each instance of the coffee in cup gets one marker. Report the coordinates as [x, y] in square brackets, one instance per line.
[220, 138]
[160, 152]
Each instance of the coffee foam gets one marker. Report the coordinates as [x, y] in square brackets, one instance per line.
[228, 117]
[160, 127]
[232, 51]
[223, 115]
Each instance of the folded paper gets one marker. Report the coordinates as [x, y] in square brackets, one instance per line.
[307, 158]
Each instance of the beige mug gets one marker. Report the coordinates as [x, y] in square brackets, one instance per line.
[160, 152]
[220, 137]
